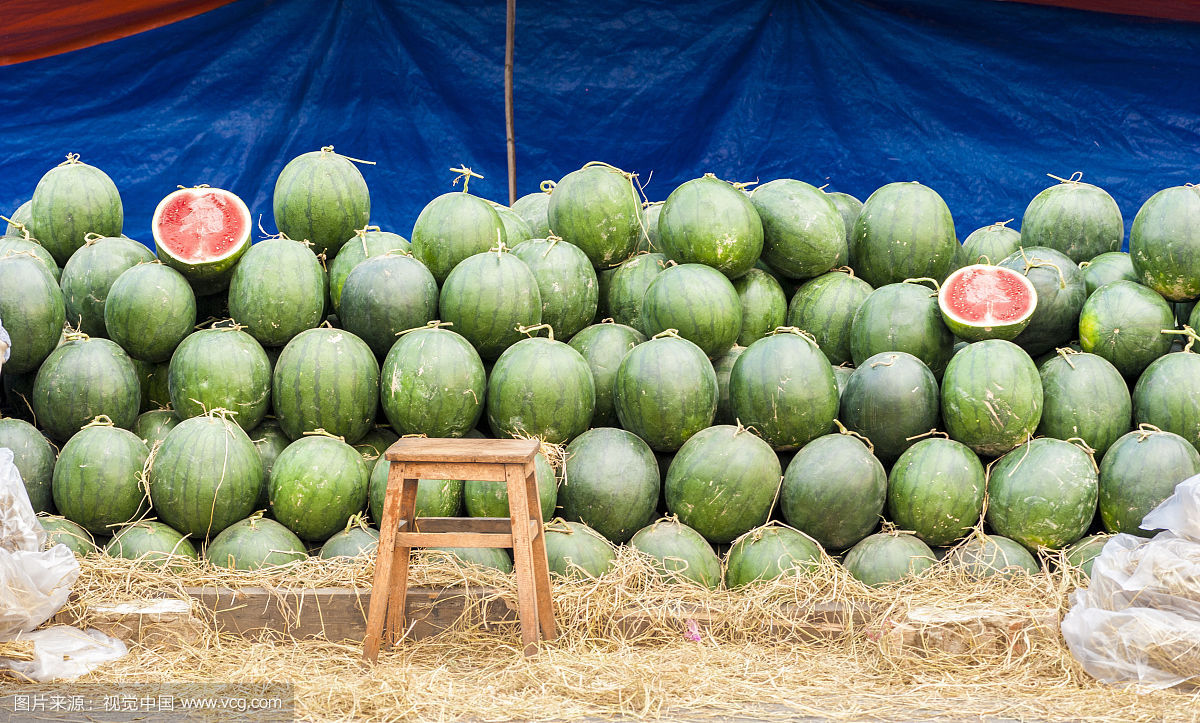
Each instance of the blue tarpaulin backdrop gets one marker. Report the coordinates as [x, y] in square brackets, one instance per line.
[975, 98]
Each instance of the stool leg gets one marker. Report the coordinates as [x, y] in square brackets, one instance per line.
[383, 563]
[541, 566]
[397, 615]
[518, 511]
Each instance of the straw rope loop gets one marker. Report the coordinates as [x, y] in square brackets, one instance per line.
[325, 150]
[435, 324]
[743, 185]
[529, 330]
[1076, 177]
[72, 158]
[465, 175]
[100, 420]
[197, 186]
[320, 432]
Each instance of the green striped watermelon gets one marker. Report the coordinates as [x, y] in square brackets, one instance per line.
[935, 490]
[541, 388]
[98, 478]
[151, 543]
[487, 297]
[603, 346]
[487, 498]
[1123, 322]
[82, 379]
[598, 209]
[902, 317]
[566, 282]
[709, 221]
[32, 310]
[610, 482]
[321, 197]
[34, 458]
[61, 531]
[149, 310]
[1084, 396]
[277, 291]
[679, 553]
[575, 550]
[516, 230]
[368, 242]
[1043, 494]
[316, 485]
[665, 391]
[220, 368]
[270, 441]
[435, 497]
[1082, 553]
[890, 399]
[326, 379]
[804, 234]
[768, 553]
[651, 239]
[1061, 291]
[18, 220]
[764, 305]
[990, 244]
[255, 543]
[723, 366]
[888, 557]
[825, 307]
[1164, 243]
[985, 556]
[353, 541]
[1111, 266]
[90, 273]
[1140, 471]
[386, 295]
[1074, 218]
[534, 209]
[452, 228]
[834, 490]
[848, 208]
[72, 200]
[696, 301]
[11, 246]
[628, 287]
[202, 233]
[991, 397]
[1167, 396]
[904, 231]
[433, 383]
[152, 427]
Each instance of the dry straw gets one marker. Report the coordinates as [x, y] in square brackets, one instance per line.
[748, 661]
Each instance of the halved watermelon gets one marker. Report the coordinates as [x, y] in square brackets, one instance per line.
[986, 302]
[201, 233]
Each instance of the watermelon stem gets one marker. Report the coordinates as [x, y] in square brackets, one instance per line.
[435, 324]
[935, 432]
[844, 270]
[851, 433]
[547, 187]
[464, 174]
[72, 158]
[329, 149]
[1076, 177]
[184, 188]
[1037, 263]
[100, 420]
[320, 432]
[667, 332]
[937, 287]
[1065, 352]
[1091, 453]
[1003, 223]
[91, 237]
[1188, 332]
[528, 330]
[1145, 430]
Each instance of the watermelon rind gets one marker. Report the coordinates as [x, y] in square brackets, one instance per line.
[603, 346]
[1140, 471]
[904, 231]
[1164, 243]
[152, 544]
[825, 308]
[533, 208]
[1105, 268]
[255, 543]
[769, 553]
[834, 490]
[209, 274]
[888, 557]
[61, 531]
[991, 397]
[708, 221]
[678, 553]
[1123, 322]
[98, 479]
[610, 482]
[71, 201]
[89, 274]
[1043, 494]
[902, 317]
[783, 388]
[989, 327]
[698, 302]
[432, 382]
[1077, 219]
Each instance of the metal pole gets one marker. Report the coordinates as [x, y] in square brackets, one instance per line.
[508, 101]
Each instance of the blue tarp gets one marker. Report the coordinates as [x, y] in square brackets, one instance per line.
[975, 98]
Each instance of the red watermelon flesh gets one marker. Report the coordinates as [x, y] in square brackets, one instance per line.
[202, 232]
[986, 302]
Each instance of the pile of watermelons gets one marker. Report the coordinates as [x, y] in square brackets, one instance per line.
[759, 373]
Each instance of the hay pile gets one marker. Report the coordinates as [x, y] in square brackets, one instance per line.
[739, 662]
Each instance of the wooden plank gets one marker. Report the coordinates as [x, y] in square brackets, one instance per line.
[453, 470]
[339, 614]
[500, 525]
[823, 620]
[971, 630]
[406, 540]
[482, 451]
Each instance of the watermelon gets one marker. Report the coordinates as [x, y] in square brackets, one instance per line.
[698, 302]
[1164, 243]
[651, 239]
[1167, 396]
[984, 556]
[603, 346]
[433, 383]
[206, 476]
[1084, 396]
[1107, 267]
[385, 295]
[665, 391]
[888, 557]
[890, 398]
[987, 302]
[149, 310]
[783, 388]
[516, 230]
[576, 551]
[151, 543]
[10, 246]
[202, 233]
[72, 200]
[374, 443]
[825, 307]
[768, 553]
[82, 379]
[834, 491]
[98, 478]
[990, 244]
[848, 208]
[152, 427]
[842, 375]
[487, 297]
[487, 557]
[316, 485]
[1140, 471]
[326, 379]
[32, 309]
[610, 482]
[435, 497]
[1074, 218]
[764, 306]
[991, 397]
[722, 482]
[255, 543]
[490, 499]
[540, 388]
[678, 553]
[321, 197]
[1043, 494]
[368, 242]
[935, 490]
[90, 273]
[1061, 292]
[270, 440]
[34, 458]
[153, 378]
[566, 283]
[604, 279]
[598, 209]
[723, 366]
[61, 531]
[353, 541]
[628, 287]
[220, 368]
[1123, 322]
[709, 221]
[18, 220]
[902, 317]
[1082, 553]
[453, 227]
[904, 231]
[533, 208]
[804, 234]
[277, 291]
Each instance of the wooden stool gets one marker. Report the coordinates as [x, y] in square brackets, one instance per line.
[495, 460]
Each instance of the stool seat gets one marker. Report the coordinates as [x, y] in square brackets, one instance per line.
[503, 460]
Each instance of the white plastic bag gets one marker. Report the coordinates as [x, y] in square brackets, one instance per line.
[65, 652]
[33, 587]
[1179, 513]
[1153, 648]
[1163, 574]
[19, 526]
